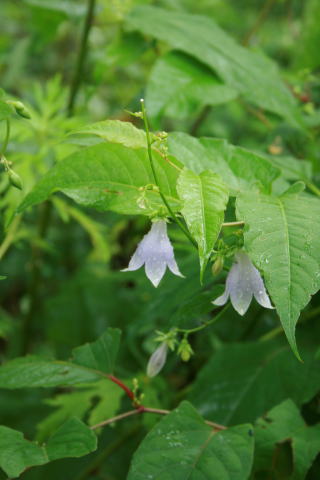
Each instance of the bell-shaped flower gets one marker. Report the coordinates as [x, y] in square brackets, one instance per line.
[156, 253]
[243, 282]
[157, 360]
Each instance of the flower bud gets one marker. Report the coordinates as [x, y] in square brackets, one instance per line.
[218, 265]
[185, 350]
[14, 179]
[157, 360]
[19, 108]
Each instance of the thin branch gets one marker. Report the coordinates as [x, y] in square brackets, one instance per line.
[124, 387]
[156, 411]
[263, 15]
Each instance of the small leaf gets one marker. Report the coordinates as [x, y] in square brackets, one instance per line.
[182, 446]
[205, 198]
[282, 237]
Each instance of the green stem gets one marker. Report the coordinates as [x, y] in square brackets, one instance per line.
[313, 188]
[81, 57]
[233, 224]
[175, 218]
[205, 324]
[6, 139]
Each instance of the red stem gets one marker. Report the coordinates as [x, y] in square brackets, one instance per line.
[124, 387]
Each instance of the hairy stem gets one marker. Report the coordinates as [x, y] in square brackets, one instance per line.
[175, 218]
[6, 139]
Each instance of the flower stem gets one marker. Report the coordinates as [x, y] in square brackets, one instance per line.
[6, 139]
[187, 331]
[81, 57]
[175, 218]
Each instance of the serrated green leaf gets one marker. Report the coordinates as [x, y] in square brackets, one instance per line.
[282, 237]
[109, 177]
[239, 168]
[182, 446]
[240, 68]
[101, 354]
[205, 198]
[242, 381]
[284, 423]
[91, 362]
[73, 439]
[179, 86]
[5, 111]
[113, 131]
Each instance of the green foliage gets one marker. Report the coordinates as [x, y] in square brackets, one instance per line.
[201, 37]
[17, 453]
[182, 446]
[285, 424]
[282, 236]
[232, 101]
[204, 199]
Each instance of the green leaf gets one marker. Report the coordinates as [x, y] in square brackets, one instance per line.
[109, 177]
[100, 399]
[101, 354]
[282, 237]
[5, 111]
[179, 86]
[239, 168]
[240, 68]
[242, 381]
[91, 362]
[73, 439]
[205, 198]
[113, 131]
[182, 446]
[284, 423]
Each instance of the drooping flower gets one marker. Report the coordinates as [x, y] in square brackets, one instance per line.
[156, 253]
[157, 360]
[243, 282]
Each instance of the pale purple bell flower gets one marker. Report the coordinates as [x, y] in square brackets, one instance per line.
[157, 360]
[156, 253]
[243, 282]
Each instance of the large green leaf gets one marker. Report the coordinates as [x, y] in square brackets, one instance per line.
[284, 423]
[240, 68]
[239, 168]
[91, 362]
[282, 237]
[242, 381]
[205, 198]
[72, 439]
[109, 177]
[179, 86]
[181, 446]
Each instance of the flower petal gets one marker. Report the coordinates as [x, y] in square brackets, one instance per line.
[259, 290]
[222, 300]
[239, 286]
[157, 360]
[135, 263]
[172, 264]
[155, 269]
